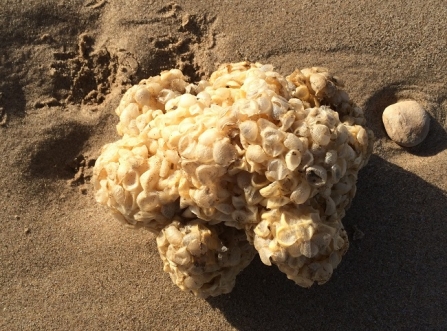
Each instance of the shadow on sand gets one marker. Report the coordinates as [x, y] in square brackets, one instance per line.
[392, 279]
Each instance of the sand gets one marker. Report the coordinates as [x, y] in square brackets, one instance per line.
[65, 264]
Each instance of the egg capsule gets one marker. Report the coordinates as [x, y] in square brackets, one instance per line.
[131, 181]
[173, 235]
[342, 134]
[111, 170]
[316, 176]
[264, 104]
[279, 256]
[309, 249]
[331, 157]
[256, 154]
[142, 96]
[276, 170]
[293, 142]
[224, 153]
[203, 197]
[271, 143]
[118, 194]
[181, 257]
[204, 98]
[249, 130]
[253, 86]
[165, 95]
[262, 229]
[252, 195]
[208, 174]
[209, 137]
[301, 92]
[271, 190]
[301, 193]
[286, 236]
[148, 201]
[265, 254]
[129, 113]
[293, 159]
[187, 100]
[320, 134]
[318, 83]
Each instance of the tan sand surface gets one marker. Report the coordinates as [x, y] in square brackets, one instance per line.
[65, 264]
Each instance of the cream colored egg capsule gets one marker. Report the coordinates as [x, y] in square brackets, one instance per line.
[142, 96]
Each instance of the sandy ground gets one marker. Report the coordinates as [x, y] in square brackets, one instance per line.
[65, 264]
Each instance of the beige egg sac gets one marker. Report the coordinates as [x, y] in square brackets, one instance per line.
[248, 153]
[148, 96]
[304, 247]
[202, 258]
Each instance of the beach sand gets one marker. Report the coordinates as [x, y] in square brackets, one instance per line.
[66, 264]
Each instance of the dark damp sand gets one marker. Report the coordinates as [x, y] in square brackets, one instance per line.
[67, 265]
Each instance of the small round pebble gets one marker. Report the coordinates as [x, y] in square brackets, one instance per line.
[406, 123]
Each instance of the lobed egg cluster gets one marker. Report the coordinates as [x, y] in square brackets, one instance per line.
[247, 158]
[204, 259]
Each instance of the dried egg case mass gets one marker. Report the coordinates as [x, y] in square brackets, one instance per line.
[246, 161]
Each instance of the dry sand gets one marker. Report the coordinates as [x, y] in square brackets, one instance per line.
[67, 265]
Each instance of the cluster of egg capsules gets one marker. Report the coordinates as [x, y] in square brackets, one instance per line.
[246, 161]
